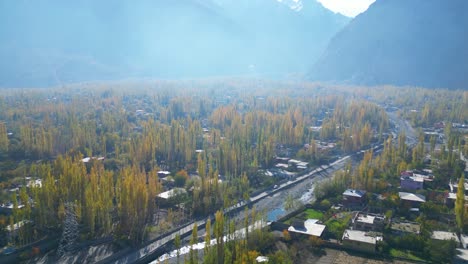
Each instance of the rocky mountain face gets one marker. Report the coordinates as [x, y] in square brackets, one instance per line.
[401, 42]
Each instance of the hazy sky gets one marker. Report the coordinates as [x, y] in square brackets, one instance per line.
[349, 8]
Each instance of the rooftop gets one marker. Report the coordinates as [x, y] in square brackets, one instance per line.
[369, 218]
[165, 173]
[443, 235]
[16, 226]
[171, 193]
[453, 185]
[34, 183]
[88, 159]
[282, 165]
[412, 197]
[412, 178]
[464, 240]
[453, 196]
[354, 193]
[409, 227]
[294, 161]
[361, 236]
[311, 228]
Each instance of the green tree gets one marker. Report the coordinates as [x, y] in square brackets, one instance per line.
[3, 138]
[219, 234]
[194, 254]
[460, 203]
[177, 245]
[208, 256]
[181, 178]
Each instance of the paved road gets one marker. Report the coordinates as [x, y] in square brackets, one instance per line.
[335, 165]
[322, 172]
[152, 247]
[404, 126]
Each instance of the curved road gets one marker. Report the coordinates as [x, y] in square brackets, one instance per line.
[151, 248]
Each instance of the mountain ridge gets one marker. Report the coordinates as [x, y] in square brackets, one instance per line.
[416, 43]
[54, 42]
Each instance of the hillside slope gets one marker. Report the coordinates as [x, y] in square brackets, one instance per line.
[401, 42]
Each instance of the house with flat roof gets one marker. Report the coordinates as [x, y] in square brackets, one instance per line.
[368, 222]
[405, 227]
[261, 259]
[172, 193]
[361, 240]
[444, 235]
[165, 198]
[300, 165]
[310, 227]
[411, 183]
[163, 174]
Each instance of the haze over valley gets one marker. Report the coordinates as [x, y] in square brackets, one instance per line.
[234, 131]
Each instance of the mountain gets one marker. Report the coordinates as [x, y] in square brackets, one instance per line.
[52, 42]
[401, 42]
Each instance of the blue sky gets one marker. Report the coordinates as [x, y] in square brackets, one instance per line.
[350, 8]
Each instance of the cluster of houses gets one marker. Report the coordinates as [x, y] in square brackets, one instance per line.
[437, 131]
[418, 180]
[290, 164]
[415, 180]
[7, 207]
[366, 229]
[321, 145]
[364, 232]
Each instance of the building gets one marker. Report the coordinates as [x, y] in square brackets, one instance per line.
[454, 187]
[353, 198]
[163, 174]
[300, 165]
[405, 227]
[464, 240]
[411, 183]
[165, 198]
[451, 198]
[171, 193]
[7, 208]
[13, 230]
[282, 165]
[443, 235]
[361, 240]
[34, 183]
[310, 227]
[368, 222]
[411, 199]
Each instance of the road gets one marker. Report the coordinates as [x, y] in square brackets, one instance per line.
[403, 125]
[300, 188]
[149, 250]
[268, 200]
[335, 165]
[275, 199]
